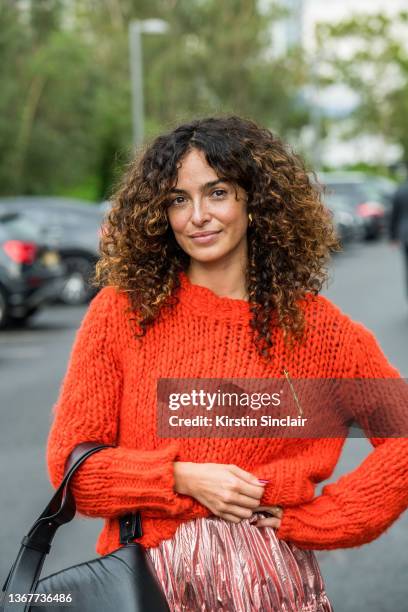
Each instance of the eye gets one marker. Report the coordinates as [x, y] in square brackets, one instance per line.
[178, 200]
[219, 193]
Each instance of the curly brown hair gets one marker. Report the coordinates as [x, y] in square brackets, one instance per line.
[289, 240]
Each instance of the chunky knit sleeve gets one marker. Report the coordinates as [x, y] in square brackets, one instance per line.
[115, 480]
[291, 478]
[362, 504]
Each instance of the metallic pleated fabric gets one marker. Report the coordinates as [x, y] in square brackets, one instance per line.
[213, 565]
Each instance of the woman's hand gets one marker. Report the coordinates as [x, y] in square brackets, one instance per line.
[227, 490]
[269, 522]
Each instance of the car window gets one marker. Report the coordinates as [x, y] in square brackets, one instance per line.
[19, 227]
[39, 216]
[371, 193]
[347, 191]
[355, 193]
[73, 219]
[62, 216]
[337, 201]
[45, 216]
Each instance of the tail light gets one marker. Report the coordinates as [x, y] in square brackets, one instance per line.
[20, 251]
[370, 209]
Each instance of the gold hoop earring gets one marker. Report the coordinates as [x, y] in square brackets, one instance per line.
[250, 218]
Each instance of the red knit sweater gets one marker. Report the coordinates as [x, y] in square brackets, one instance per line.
[109, 395]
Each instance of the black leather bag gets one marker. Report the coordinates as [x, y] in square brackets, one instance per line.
[122, 581]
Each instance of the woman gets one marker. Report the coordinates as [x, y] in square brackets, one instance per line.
[212, 260]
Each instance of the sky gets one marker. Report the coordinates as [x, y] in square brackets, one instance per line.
[334, 10]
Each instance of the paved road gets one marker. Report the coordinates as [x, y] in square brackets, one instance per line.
[365, 282]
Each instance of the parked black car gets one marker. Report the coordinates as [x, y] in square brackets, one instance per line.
[72, 227]
[31, 273]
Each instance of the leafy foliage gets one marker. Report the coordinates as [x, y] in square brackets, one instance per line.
[368, 53]
[65, 109]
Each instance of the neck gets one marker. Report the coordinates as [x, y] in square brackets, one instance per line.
[224, 279]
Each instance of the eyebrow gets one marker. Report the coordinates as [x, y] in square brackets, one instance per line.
[203, 187]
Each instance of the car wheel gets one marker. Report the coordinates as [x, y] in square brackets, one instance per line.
[4, 316]
[373, 235]
[22, 320]
[76, 289]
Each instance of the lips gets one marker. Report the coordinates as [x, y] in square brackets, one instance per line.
[204, 238]
[200, 234]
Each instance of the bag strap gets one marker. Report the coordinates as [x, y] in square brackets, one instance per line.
[130, 525]
[25, 571]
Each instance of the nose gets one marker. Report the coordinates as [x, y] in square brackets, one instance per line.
[200, 213]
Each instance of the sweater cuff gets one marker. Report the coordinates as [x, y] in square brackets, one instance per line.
[120, 480]
[287, 485]
[318, 525]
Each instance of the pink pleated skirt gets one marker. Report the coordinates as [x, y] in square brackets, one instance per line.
[213, 565]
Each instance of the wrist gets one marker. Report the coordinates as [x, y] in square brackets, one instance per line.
[182, 477]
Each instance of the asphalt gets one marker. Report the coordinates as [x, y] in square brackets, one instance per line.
[366, 282]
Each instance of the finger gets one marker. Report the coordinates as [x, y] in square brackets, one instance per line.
[268, 522]
[230, 517]
[238, 511]
[245, 501]
[249, 490]
[246, 476]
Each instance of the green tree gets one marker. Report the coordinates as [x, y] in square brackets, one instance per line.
[46, 102]
[213, 59]
[368, 53]
[65, 99]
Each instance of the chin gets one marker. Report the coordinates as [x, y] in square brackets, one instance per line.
[204, 253]
[207, 257]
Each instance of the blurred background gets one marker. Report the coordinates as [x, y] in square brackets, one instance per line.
[84, 82]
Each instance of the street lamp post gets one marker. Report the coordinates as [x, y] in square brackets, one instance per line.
[136, 28]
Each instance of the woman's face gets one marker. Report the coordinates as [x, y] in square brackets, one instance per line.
[207, 215]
